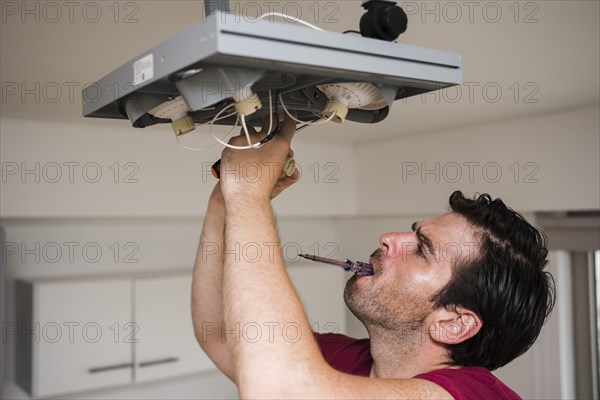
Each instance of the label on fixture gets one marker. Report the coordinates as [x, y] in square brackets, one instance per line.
[143, 69]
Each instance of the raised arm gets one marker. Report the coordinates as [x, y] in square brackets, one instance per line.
[207, 284]
[207, 281]
[257, 291]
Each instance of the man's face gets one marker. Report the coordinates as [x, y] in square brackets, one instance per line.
[409, 268]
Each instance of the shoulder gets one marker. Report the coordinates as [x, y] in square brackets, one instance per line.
[470, 383]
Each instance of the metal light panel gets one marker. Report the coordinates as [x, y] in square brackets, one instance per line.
[207, 62]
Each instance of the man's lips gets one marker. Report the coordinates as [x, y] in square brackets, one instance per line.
[375, 261]
[375, 266]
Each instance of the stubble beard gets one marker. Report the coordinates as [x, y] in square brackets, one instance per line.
[386, 308]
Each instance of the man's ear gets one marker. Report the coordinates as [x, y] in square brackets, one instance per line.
[455, 326]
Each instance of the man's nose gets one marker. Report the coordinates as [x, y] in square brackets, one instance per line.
[393, 244]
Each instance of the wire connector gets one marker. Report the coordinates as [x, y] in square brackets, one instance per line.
[248, 105]
[183, 125]
[336, 110]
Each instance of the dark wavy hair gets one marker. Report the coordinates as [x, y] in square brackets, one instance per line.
[504, 284]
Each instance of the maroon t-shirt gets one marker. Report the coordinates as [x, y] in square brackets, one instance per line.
[353, 356]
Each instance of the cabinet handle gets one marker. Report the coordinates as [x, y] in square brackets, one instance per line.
[109, 368]
[157, 362]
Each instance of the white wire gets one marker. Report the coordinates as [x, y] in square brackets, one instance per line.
[218, 117]
[242, 117]
[324, 121]
[270, 113]
[276, 14]
[237, 121]
[230, 145]
[313, 112]
[245, 129]
[210, 126]
[191, 148]
[251, 146]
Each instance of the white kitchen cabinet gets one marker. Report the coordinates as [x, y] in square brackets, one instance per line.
[78, 335]
[65, 342]
[166, 345]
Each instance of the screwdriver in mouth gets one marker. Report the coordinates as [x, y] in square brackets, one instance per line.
[358, 267]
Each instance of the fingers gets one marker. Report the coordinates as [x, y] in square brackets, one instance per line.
[267, 123]
[285, 182]
[264, 130]
[251, 130]
[285, 133]
[288, 128]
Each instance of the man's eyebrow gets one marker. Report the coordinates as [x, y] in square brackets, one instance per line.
[423, 238]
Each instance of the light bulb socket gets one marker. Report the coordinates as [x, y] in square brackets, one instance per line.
[335, 106]
[183, 125]
[249, 105]
[290, 166]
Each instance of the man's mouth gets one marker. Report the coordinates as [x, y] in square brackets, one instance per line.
[375, 261]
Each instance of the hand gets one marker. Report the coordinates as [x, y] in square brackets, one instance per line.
[285, 181]
[282, 184]
[258, 173]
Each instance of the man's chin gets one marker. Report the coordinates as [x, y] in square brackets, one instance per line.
[355, 289]
[352, 284]
[355, 298]
[350, 288]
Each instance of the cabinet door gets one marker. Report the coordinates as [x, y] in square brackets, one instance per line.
[80, 339]
[165, 342]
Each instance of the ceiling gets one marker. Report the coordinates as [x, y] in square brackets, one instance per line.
[519, 58]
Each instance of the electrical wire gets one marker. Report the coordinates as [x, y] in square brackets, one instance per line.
[216, 118]
[272, 132]
[270, 115]
[313, 112]
[323, 121]
[193, 148]
[242, 118]
[276, 14]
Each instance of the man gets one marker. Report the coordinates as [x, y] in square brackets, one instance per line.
[457, 296]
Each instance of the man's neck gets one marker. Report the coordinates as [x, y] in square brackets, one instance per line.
[403, 354]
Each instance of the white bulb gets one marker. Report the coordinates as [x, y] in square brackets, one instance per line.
[362, 95]
[172, 109]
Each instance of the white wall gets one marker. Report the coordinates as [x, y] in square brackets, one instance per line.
[562, 147]
[143, 172]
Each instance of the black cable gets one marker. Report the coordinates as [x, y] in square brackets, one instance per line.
[351, 31]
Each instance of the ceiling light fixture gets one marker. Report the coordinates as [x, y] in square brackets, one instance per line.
[225, 61]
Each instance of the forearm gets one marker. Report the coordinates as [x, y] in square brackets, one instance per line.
[258, 294]
[207, 284]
